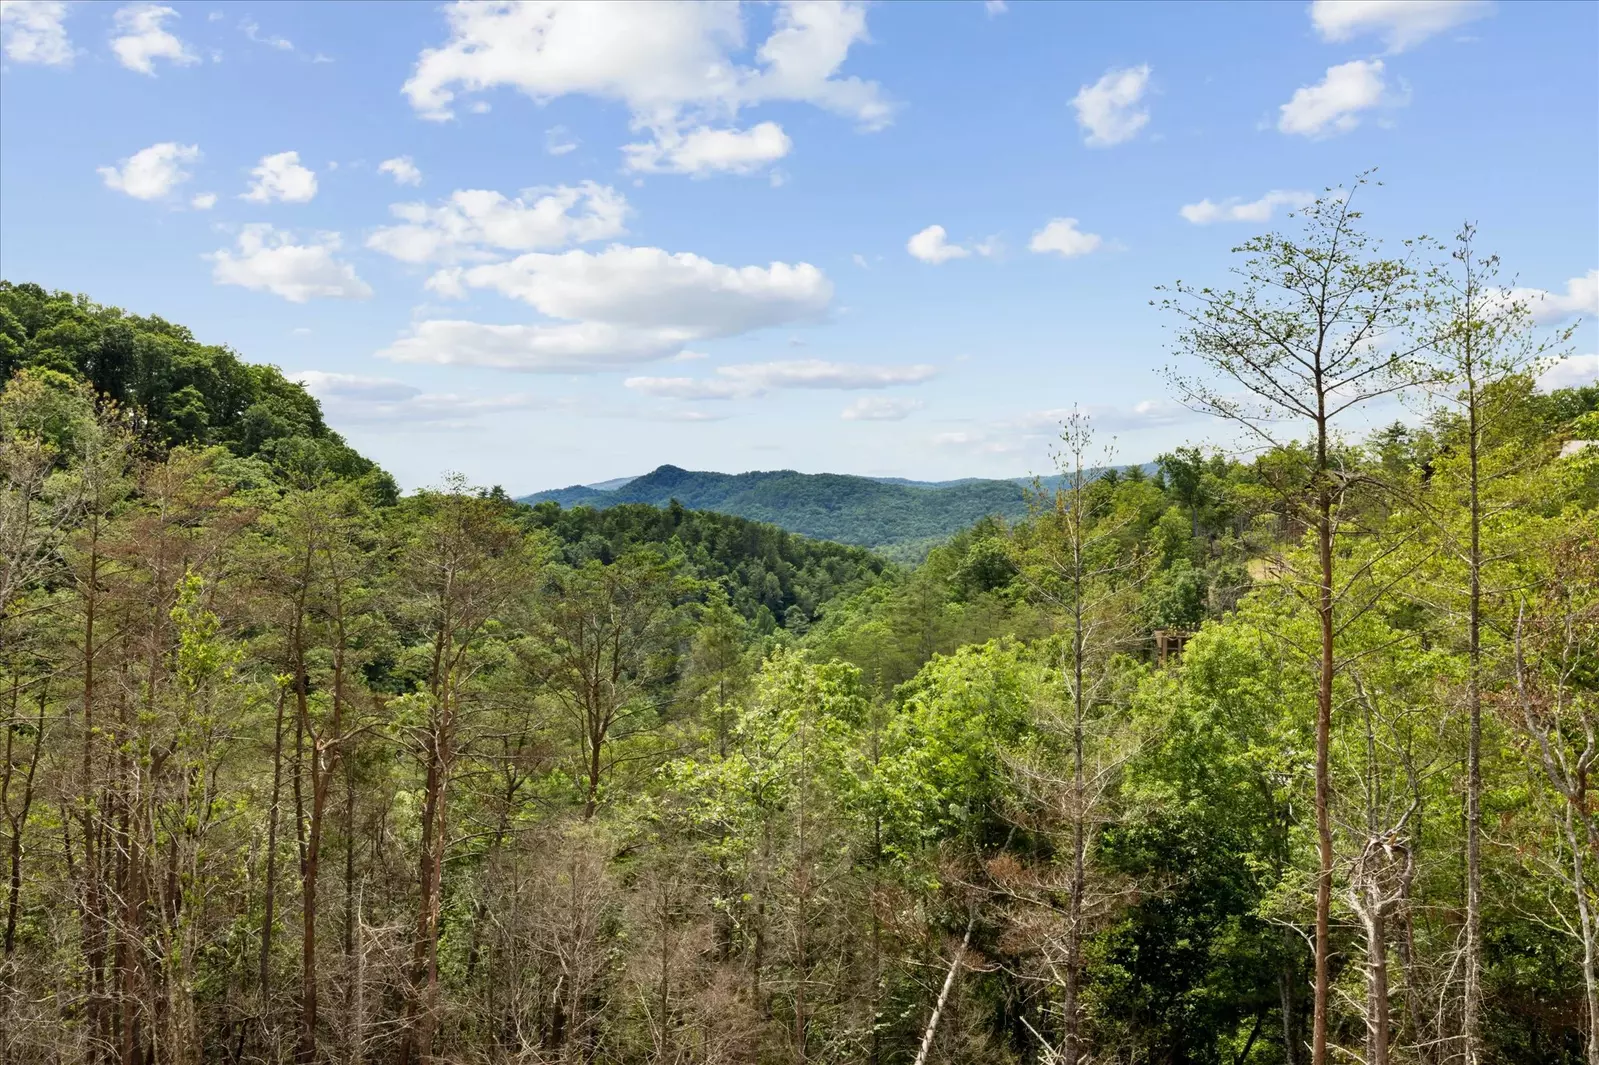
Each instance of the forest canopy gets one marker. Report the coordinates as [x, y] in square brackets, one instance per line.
[1261, 758]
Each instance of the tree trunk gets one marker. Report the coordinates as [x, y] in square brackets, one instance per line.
[271, 866]
[943, 994]
[1471, 1007]
[1324, 694]
[306, 1051]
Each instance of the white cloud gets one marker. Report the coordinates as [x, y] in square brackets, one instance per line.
[473, 220]
[1549, 308]
[704, 151]
[252, 30]
[281, 177]
[876, 409]
[754, 379]
[995, 7]
[558, 141]
[620, 306]
[1334, 105]
[1205, 212]
[576, 347]
[1109, 109]
[376, 401]
[1400, 23]
[654, 289]
[932, 245]
[268, 260]
[32, 31]
[204, 201]
[141, 38]
[151, 173]
[670, 62]
[1575, 371]
[1062, 237]
[402, 169]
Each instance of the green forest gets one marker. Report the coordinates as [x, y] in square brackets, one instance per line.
[1279, 755]
[901, 519]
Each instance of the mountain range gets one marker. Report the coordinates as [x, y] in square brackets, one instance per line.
[886, 513]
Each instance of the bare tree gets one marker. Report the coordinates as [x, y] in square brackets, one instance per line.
[1318, 328]
[1072, 557]
[1482, 340]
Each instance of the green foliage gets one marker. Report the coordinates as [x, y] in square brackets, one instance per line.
[182, 392]
[826, 506]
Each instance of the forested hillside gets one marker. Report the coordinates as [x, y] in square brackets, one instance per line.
[828, 506]
[1270, 759]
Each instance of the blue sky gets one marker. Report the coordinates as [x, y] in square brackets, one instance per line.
[552, 243]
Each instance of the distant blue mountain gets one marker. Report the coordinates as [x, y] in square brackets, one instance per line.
[877, 512]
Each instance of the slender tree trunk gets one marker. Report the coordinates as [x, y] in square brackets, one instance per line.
[1324, 696]
[931, 1030]
[95, 918]
[414, 1046]
[1586, 924]
[269, 909]
[1285, 993]
[1471, 1007]
[306, 1052]
[1377, 1019]
[19, 821]
[1071, 1048]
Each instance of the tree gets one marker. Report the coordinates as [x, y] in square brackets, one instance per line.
[1074, 559]
[464, 563]
[1317, 329]
[1483, 342]
[606, 640]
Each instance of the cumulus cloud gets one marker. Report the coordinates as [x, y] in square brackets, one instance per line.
[755, 379]
[402, 169]
[1109, 110]
[355, 399]
[1205, 212]
[1335, 103]
[473, 220]
[1062, 237]
[33, 31]
[1400, 23]
[671, 63]
[203, 201]
[932, 245]
[618, 307]
[704, 151]
[1550, 308]
[654, 289]
[576, 347]
[281, 177]
[1574, 371]
[152, 173]
[268, 260]
[876, 409]
[611, 308]
[141, 38]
